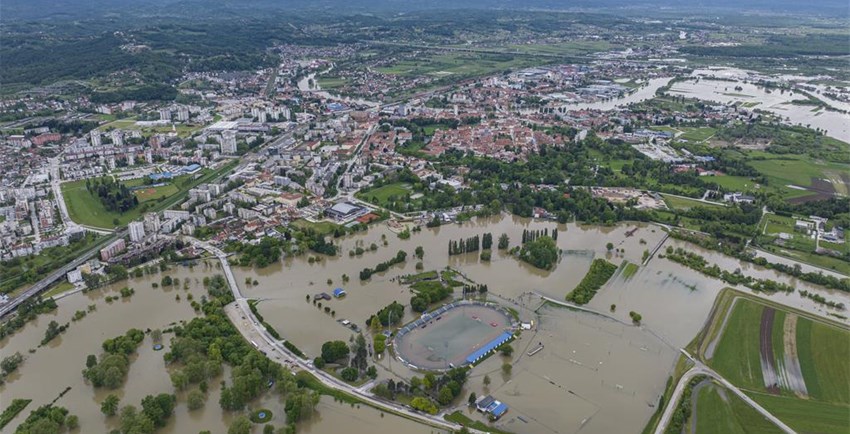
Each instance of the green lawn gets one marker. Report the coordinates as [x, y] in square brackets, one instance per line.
[823, 350]
[629, 270]
[737, 354]
[676, 202]
[147, 194]
[387, 193]
[824, 353]
[327, 83]
[571, 48]
[797, 170]
[719, 411]
[459, 417]
[322, 228]
[807, 415]
[86, 209]
[697, 134]
[458, 64]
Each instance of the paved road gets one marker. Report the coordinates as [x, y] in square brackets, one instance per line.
[253, 331]
[13, 304]
[701, 369]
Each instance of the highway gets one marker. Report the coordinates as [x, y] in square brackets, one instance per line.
[42, 284]
[251, 329]
[701, 369]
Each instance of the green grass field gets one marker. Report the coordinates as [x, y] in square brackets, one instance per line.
[807, 416]
[459, 64]
[677, 202]
[823, 350]
[328, 83]
[797, 170]
[719, 411]
[572, 48]
[824, 353]
[322, 228]
[698, 134]
[86, 209]
[629, 270]
[130, 124]
[387, 193]
[737, 354]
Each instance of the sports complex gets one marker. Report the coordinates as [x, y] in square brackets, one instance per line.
[454, 335]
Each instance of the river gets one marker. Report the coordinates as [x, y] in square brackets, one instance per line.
[835, 124]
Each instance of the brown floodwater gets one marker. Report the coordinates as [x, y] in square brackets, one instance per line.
[49, 370]
[594, 373]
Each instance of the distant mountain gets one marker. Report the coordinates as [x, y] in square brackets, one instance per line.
[11, 10]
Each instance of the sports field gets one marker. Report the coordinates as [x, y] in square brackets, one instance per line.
[448, 338]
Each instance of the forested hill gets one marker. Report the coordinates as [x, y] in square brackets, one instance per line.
[81, 9]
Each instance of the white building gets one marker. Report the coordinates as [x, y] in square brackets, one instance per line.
[164, 114]
[183, 114]
[117, 138]
[152, 223]
[228, 142]
[137, 231]
[94, 137]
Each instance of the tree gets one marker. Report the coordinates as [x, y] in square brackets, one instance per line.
[196, 399]
[420, 252]
[507, 368]
[109, 406]
[91, 360]
[609, 246]
[472, 398]
[10, 364]
[334, 350]
[72, 422]
[158, 408]
[507, 350]
[445, 396]
[240, 425]
[349, 374]
[504, 242]
[133, 422]
[486, 380]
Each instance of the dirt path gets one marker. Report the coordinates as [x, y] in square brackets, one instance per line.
[709, 350]
[768, 364]
[792, 374]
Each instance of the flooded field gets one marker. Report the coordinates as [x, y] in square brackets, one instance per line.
[835, 124]
[284, 288]
[47, 372]
[50, 369]
[594, 373]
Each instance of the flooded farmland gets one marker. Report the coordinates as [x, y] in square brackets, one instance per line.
[835, 124]
[595, 373]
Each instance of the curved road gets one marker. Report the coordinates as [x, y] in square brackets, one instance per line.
[251, 329]
[701, 369]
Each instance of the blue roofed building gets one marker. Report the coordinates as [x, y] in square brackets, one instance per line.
[491, 406]
[339, 292]
[490, 346]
